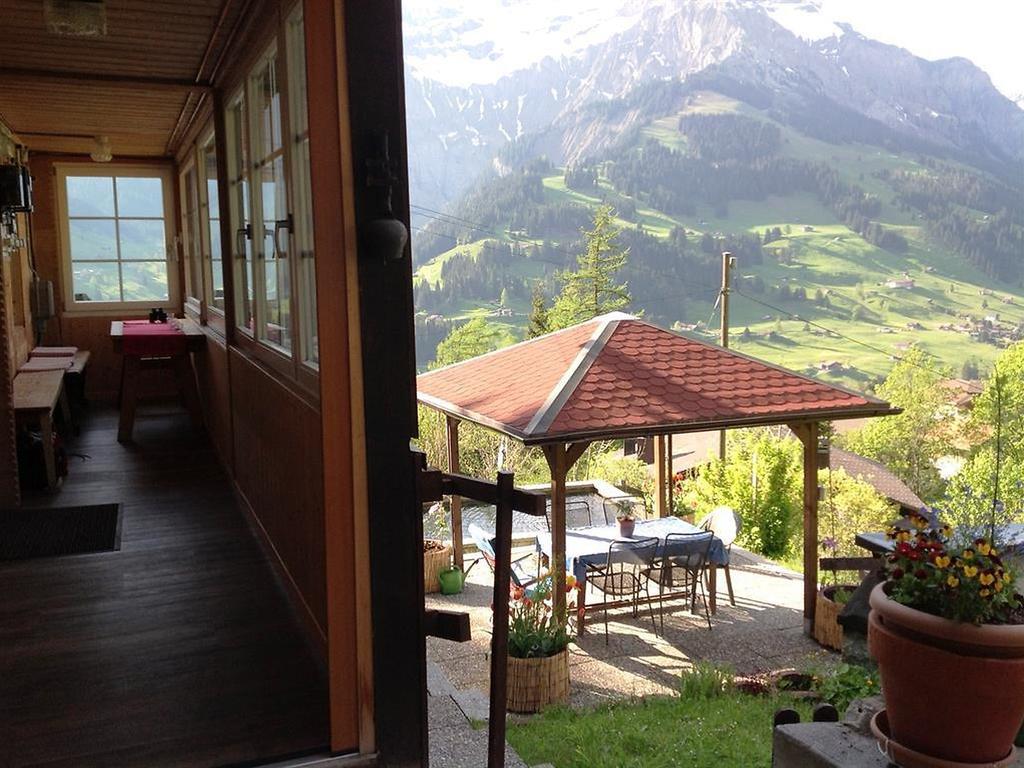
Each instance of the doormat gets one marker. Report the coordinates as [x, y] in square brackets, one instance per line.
[58, 531]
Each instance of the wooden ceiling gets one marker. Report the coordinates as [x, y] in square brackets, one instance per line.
[139, 84]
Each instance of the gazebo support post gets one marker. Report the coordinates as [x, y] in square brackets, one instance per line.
[452, 433]
[808, 434]
[670, 456]
[659, 474]
[560, 458]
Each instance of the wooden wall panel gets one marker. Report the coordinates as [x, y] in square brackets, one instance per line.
[278, 469]
[215, 393]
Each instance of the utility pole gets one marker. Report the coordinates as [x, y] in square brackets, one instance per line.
[728, 262]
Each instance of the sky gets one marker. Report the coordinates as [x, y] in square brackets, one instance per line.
[988, 32]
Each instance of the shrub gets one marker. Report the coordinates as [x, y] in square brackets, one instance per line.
[760, 479]
[705, 681]
[846, 683]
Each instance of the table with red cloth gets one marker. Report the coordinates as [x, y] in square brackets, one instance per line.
[161, 345]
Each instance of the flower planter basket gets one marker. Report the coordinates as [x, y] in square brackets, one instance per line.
[534, 684]
[827, 629]
[954, 692]
[437, 557]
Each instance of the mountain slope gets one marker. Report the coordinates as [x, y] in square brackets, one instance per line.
[605, 53]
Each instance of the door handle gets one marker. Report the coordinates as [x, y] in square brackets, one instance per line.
[279, 225]
[241, 235]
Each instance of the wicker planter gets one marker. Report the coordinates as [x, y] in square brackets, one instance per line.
[437, 557]
[827, 629]
[534, 684]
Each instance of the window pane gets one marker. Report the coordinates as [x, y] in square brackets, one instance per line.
[145, 281]
[92, 239]
[275, 270]
[268, 110]
[139, 197]
[95, 281]
[142, 240]
[90, 196]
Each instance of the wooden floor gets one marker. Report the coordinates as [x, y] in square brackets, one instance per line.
[178, 650]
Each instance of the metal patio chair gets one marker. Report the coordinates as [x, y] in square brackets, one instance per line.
[682, 562]
[621, 575]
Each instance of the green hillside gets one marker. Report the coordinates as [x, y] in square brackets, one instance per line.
[816, 274]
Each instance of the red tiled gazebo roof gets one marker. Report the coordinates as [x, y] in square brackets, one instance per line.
[618, 376]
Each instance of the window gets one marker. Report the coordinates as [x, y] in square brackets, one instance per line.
[191, 250]
[238, 163]
[301, 184]
[114, 231]
[210, 204]
[270, 208]
[268, 157]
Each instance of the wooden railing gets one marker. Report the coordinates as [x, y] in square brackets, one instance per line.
[506, 499]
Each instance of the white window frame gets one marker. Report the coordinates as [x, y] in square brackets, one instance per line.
[191, 252]
[166, 176]
[215, 316]
[303, 252]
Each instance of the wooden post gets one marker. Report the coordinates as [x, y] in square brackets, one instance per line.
[558, 464]
[499, 638]
[659, 473]
[671, 475]
[452, 430]
[808, 434]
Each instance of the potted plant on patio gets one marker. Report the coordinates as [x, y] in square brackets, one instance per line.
[538, 642]
[437, 555]
[626, 517]
[947, 631]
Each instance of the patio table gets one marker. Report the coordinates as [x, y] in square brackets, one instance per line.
[879, 543]
[589, 546]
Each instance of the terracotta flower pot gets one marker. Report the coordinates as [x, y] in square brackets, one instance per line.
[627, 525]
[953, 691]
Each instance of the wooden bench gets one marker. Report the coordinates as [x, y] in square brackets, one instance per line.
[36, 395]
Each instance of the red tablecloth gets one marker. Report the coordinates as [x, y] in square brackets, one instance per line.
[146, 339]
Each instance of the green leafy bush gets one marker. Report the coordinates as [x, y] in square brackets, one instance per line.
[760, 479]
[846, 683]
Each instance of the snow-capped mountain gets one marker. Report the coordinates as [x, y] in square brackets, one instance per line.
[483, 75]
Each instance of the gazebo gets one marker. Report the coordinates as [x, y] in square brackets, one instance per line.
[617, 376]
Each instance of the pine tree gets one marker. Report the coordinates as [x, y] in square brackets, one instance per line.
[539, 323]
[591, 289]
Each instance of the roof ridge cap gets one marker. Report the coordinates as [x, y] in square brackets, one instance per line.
[569, 380]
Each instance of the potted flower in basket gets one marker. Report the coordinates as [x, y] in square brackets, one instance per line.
[947, 631]
[538, 642]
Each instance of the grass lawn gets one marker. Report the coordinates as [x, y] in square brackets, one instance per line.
[732, 729]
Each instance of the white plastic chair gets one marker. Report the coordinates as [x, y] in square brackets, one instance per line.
[726, 525]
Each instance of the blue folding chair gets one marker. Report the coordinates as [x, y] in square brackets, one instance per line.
[485, 543]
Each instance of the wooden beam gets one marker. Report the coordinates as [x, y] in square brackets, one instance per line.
[808, 434]
[448, 625]
[452, 433]
[557, 458]
[659, 475]
[78, 79]
[575, 452]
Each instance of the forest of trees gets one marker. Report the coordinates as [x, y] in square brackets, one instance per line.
[981, 218]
